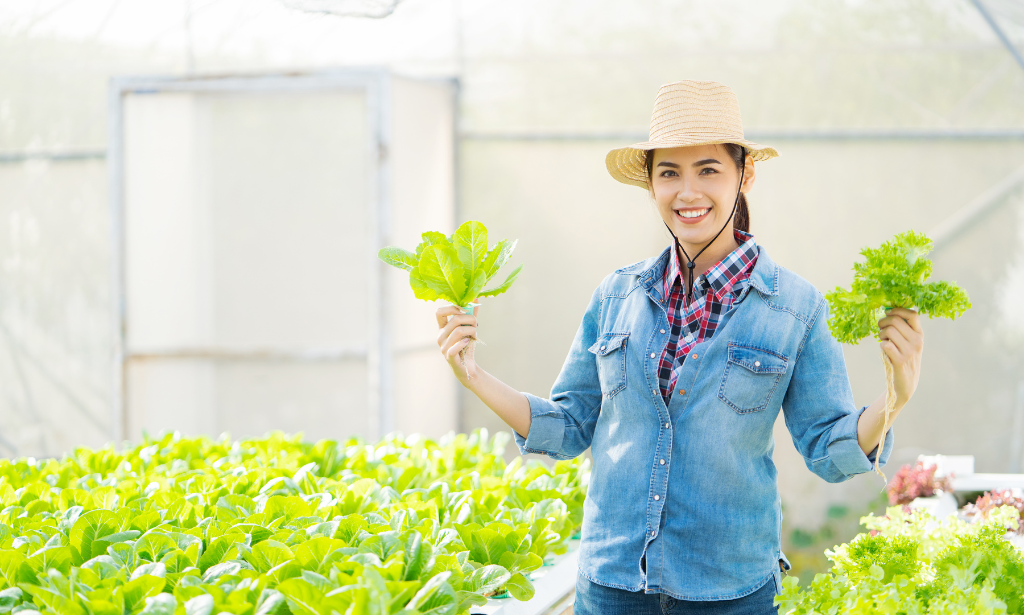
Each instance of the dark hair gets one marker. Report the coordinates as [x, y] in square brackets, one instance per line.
[738, 153]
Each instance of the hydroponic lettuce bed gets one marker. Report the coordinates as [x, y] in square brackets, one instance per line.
[912, 563]
[181, 526]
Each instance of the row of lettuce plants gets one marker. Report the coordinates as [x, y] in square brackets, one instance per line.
[912, 563]
[272, 526]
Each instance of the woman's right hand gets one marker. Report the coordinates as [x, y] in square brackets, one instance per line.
[458, 331]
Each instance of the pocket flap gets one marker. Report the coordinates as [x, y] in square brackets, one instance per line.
[758, 360]
[608, 342]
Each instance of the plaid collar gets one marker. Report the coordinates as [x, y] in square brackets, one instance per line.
[721, 279]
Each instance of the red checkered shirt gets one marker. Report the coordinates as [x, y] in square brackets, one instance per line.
[694, 323]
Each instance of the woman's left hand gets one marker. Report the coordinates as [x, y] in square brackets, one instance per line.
[903, 341]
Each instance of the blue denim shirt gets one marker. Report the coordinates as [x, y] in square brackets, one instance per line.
[683, 499]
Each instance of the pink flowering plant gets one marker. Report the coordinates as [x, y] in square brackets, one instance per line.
[917, 481]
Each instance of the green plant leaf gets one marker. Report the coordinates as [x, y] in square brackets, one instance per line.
[203, 527]
[520, 562]
[153, 545]
[498, 256]
[9, 598]
[520, 587]
[160, 604]
[135, 592]
[436, 596]
[220, 550]
[470, 242]
[454, 268]
[397, 257]
[420, 288]
[440, 270]
[432, 238]
[892, 275]
[271, 602]
[44, 559]
[317, 553]
[200, 605]
[86, 530]
[13, 568]
[157, 569]
[268, 554]
[486, 579]
[225, 569]
[497, 290]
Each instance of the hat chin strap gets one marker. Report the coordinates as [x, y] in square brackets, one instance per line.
[689, 261]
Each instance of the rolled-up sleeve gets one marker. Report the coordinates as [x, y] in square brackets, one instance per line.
[819, 409]
[562, 427]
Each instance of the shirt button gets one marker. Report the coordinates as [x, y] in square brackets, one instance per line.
[682, 391]
[667, 425]
[655, 391]
[657, 497]
[663, 331]
[652, 355]
[757, 364]
[603, 347]
[662, 462]
[694, 355]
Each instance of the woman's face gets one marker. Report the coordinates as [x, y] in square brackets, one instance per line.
[695, 188]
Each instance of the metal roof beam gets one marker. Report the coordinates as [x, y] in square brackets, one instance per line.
[999, 32]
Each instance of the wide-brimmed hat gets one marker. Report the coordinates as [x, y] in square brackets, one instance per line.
[686, 113]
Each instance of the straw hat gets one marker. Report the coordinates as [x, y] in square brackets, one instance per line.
[686, 113]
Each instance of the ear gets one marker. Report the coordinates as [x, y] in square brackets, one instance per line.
[749, 175]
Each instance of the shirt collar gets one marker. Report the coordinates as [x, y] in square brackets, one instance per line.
[720, 278]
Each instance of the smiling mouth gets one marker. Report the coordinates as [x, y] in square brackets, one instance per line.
[691, 216]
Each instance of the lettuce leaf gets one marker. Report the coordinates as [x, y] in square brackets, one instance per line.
[892, 275]
[454, 268]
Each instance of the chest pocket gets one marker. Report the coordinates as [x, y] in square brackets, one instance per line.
[610, 354]
[750, 378]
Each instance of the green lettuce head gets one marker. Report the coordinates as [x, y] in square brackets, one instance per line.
[454, 268]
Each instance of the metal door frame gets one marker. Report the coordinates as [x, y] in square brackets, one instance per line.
[376, 83]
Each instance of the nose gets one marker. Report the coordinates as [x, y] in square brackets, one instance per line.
[687, 192]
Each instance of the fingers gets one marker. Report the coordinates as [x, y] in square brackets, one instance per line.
[900, 325]
[890, 350]
[893, 339]
[444, 312]
[911, 317]
[458, 341]
[912, 338]
[452, 353]
[458, 322]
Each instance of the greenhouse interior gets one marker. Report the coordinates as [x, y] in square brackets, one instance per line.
[218, 396]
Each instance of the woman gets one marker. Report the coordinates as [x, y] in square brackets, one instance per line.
[675, 379]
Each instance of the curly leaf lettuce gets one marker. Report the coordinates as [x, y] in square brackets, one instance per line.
[892, 275]
[913, 562]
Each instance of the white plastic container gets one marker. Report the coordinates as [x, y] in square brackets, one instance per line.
[960, 465]
[940, 505]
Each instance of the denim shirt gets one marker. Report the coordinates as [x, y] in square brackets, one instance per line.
[683, 499]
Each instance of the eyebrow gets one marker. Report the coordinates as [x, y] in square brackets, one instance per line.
[699, 163]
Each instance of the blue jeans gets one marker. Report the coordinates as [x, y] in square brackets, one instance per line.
[594, 599]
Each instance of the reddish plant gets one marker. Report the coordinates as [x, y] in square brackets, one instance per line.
[993, 500]
[916, 481]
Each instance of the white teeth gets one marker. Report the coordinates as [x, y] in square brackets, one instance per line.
[695, 213]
